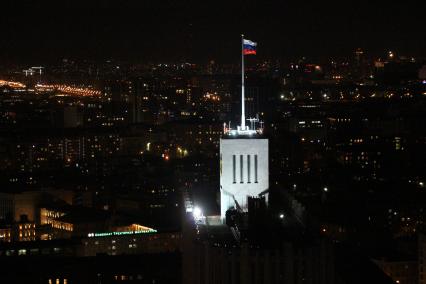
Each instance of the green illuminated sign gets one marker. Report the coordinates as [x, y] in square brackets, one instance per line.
[107, 234]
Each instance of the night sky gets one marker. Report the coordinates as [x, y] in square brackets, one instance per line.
[197, 31]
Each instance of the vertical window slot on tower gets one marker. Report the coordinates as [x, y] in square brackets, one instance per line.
[248, 169]
[234, 180]
[241, 169]
[255, 168]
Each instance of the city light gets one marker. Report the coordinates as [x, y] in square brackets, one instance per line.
[289, 159]
[12, 84]
[107, 234]
[197, 212]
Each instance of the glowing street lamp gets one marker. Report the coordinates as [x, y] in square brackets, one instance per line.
[197, 212]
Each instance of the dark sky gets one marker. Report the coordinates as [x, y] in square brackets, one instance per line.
[41, 31]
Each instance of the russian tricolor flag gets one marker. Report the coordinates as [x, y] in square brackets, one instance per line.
[249, 47]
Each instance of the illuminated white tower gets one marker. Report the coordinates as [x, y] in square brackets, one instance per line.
[244, 157]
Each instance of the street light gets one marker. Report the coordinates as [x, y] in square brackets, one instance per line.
[197, 212]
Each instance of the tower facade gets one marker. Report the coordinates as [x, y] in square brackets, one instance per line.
[244, 154]
[244, 170]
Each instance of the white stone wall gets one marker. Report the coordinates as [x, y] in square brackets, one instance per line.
[241, 179]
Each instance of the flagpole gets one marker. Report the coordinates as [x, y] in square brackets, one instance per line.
[243, 116]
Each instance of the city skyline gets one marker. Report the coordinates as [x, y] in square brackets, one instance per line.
[152, 142]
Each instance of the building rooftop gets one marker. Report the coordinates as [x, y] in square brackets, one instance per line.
[79, 214]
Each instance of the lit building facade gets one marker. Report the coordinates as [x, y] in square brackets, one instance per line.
[5, 234]
[130, 242]
[244, 170]
[18, 232]
[244, 157]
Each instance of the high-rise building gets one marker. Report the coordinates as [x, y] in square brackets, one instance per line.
[244, 162]
[244, 170]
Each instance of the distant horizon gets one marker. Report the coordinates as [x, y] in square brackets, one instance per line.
[190, 31]
[257, 60]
